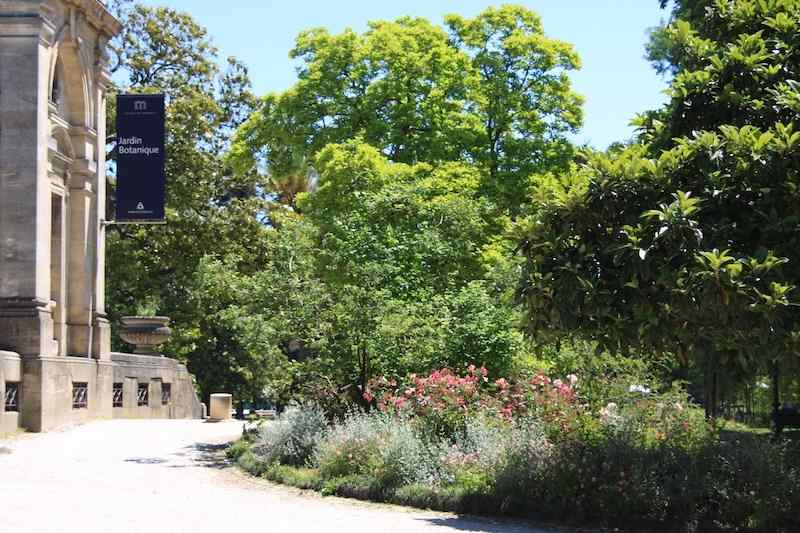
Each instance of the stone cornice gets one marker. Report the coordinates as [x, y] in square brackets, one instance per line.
[98, 16]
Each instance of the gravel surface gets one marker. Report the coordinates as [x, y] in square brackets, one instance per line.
[170, 476]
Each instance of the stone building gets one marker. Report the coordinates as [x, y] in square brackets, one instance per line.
[56, 364]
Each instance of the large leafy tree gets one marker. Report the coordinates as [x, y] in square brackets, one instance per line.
[209, 210]
[393, 235]
[492, 90]
[390, 269]
[688, 241]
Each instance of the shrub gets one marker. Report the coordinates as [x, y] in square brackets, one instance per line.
[237, 449]
[301, 478]
[525, 455]
[292, 437]
[375, 444]
[443, 402]
[359, 486]
[251, 463]
[644, 460]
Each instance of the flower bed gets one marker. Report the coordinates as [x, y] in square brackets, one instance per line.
[535, 448]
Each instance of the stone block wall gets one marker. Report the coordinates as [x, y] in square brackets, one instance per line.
[132, 370]
[45, 387]
[10, 371]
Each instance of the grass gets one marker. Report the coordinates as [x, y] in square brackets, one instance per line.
[731, 430]
[301, 478]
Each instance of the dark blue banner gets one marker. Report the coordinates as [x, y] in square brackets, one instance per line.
[140, 158]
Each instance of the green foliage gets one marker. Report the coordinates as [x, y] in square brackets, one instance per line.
[391, 269]
[298, 477]
[395, 227]
[208, 209]
[651, 463]
[374, 445]
[492, 90]
[686, 243]
[290, 439]
[238, 449]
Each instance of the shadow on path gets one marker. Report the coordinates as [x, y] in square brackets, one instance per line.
[211, 455]
[204, 455]
[146, 460]
[480, 525]
[199, 454]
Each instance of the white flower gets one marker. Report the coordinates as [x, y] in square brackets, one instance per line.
[609, 414]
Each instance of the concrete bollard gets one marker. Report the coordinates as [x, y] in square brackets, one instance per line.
[221, 404]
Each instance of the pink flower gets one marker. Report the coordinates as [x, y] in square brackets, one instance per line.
[367, 396]
[573, 379]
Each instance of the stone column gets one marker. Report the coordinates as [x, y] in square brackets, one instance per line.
[81, 256]
[102, 332]
[26, 324]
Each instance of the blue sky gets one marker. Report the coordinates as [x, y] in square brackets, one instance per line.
[609, 35]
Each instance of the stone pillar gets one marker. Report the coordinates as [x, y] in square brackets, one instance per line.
[81, 257]
[26, 324]
[221, 405]
[53, 78]
[156, 410]
[102, 331]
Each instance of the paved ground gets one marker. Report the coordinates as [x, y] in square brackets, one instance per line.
[154, 476]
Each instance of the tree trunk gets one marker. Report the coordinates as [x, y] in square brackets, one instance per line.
[711, 391]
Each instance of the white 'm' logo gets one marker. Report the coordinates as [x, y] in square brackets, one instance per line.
[140, 105]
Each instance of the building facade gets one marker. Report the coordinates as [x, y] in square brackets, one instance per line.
[56, 364]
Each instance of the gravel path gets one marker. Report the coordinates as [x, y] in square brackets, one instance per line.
[154, 476]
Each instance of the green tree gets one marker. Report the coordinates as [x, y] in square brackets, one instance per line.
[209, 210]
[398, 227]
[492, 90]
[390, 269]
[406, 251]
[687, 242]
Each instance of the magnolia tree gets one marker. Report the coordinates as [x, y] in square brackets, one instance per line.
[687, 242]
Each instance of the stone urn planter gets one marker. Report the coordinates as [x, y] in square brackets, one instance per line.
[147, 333]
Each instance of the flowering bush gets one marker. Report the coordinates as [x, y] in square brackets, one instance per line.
[644, 459]
[377, 445]
[666, 418]
[444, 401]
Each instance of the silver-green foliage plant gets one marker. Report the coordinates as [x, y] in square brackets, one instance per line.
[375, 444]
[292, 437]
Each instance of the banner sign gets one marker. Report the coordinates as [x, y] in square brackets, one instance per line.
[140, 158]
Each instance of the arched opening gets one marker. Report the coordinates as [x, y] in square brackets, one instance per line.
[73, 157]
[57, 88]
[70, 86]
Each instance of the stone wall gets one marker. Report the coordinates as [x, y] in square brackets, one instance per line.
[10, 371]
[130, 370]
[46, 389]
